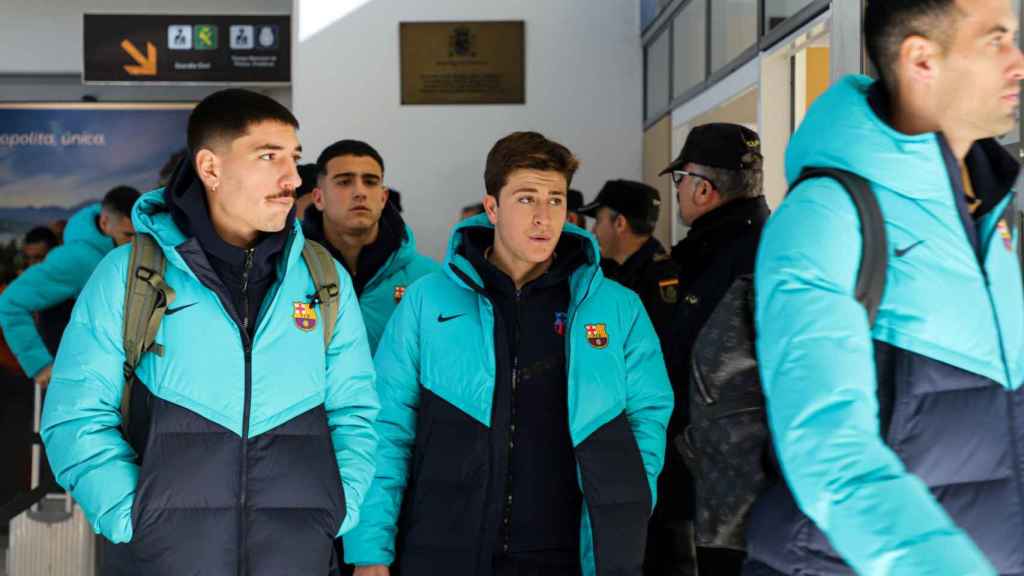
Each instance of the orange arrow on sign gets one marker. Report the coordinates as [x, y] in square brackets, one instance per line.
[146, 65]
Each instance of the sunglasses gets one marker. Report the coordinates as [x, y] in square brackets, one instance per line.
[678, 175]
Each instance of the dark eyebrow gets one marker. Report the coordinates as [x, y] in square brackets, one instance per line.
[997, 29]
[355, 175]
[274, 148]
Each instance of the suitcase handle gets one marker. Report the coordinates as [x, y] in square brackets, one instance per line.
[37, 457]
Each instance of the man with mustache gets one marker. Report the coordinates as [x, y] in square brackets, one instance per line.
[251, 441]
[524, 397]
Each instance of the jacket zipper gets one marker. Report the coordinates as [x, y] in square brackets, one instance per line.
[507, 522]
[244, 480]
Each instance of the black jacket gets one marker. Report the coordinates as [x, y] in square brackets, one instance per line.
[538, 519]
[654, 276]
[720, 246]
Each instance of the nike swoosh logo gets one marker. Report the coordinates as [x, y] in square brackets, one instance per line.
[901, 252]
[178, 309]
[441, 318]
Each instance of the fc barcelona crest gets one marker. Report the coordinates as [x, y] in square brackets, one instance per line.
[305, 316]
[399, 293]
[597, 335]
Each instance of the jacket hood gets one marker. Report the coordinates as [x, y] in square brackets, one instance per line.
[843, 130]
[83, 226]
[400, 255]
[583, 279]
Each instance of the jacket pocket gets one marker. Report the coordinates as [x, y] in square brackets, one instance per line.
[617, 495]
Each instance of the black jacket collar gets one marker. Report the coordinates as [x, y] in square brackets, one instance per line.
[373, 256]
[640, 258]
[729, 216]
[570, 254]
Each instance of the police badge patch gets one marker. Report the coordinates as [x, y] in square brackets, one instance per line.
[669, 290]
[597, 335]
[305, 316]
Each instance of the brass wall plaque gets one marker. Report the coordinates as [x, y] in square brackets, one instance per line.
[463, 62]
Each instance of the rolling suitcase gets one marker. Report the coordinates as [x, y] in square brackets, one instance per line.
[52, 538]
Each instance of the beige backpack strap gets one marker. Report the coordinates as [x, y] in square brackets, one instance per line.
[146, 299]
[325, 278]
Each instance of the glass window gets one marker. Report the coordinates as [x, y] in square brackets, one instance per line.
[733, 30]
[689, 34]
[777, 11]
[648, 12]
[656, 61]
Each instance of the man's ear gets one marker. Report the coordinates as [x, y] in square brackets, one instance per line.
[491, 208]
[918, 59]
[620, 224]
[209, 169]
[318, 198]
[104, 222]
[706, 194]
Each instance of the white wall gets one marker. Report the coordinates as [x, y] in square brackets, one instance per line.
[584, 88]
[41, 57]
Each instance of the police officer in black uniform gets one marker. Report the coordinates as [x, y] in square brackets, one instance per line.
[719, 187]
[625, 214]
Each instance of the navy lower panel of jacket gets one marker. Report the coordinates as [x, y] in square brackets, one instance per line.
[752, 568]
[447, 521]
[960, 433]
[202, 507]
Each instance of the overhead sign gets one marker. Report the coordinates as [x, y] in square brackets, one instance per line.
[463, 62]
[186, 49]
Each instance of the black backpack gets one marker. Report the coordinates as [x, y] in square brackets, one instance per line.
[727, 445]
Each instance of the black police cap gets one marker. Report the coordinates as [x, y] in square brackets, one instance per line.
[720, 145]
[629, 198]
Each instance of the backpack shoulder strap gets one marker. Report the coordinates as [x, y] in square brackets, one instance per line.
[875, 256]
[146, 299]
[325, 278]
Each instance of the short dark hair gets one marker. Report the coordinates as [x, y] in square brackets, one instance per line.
[526, 151]
[228, 114]
[41, 234]
[121, 199]
[356, 148]
[887, 23]
[307, 172]
[639, 225]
